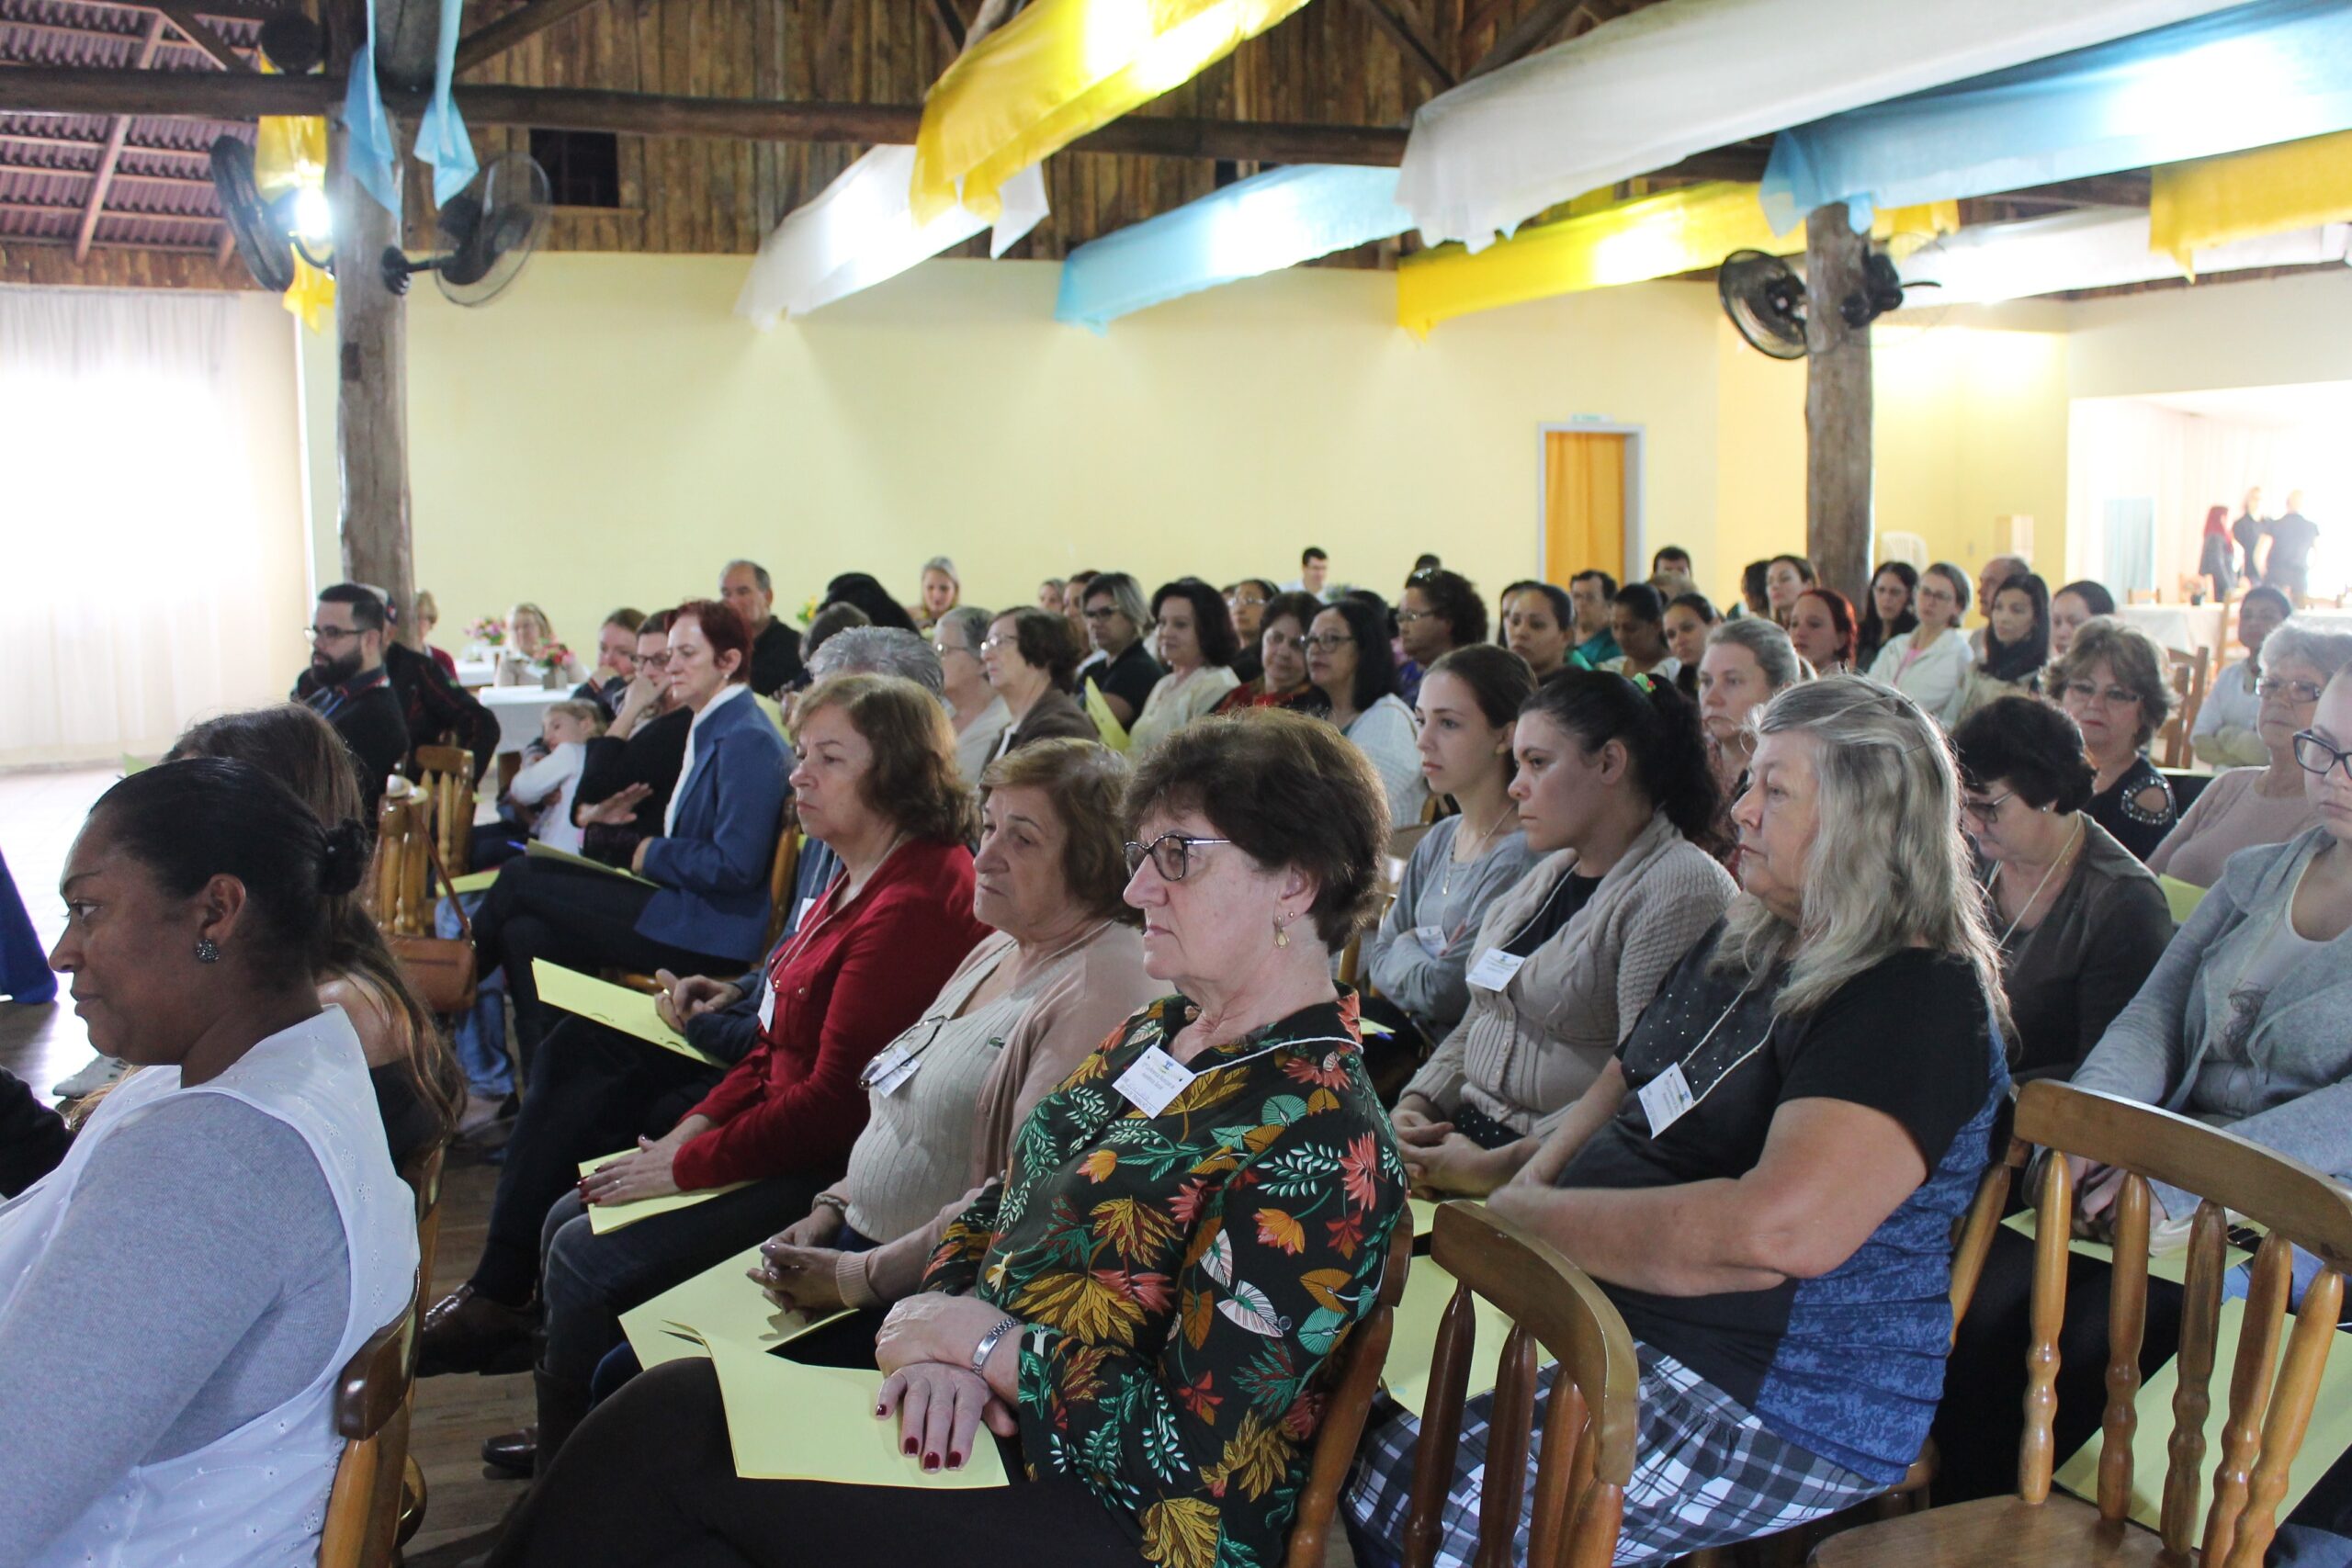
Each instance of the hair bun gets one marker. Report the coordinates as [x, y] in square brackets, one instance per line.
[344, 860]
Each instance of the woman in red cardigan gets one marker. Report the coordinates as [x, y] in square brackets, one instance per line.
[877, 781]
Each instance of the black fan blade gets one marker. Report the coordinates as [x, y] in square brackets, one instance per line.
[262, 243]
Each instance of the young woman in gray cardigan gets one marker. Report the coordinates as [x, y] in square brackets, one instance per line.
[1613, 782]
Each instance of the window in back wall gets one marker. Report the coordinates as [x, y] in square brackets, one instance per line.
[583, 167]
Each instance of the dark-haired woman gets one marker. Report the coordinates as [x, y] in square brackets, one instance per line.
[1350, 662]
[1246, 603]
[1886, 611]
[2014, 642]
[1470, 699]
[2073, 606]
[864, 593]
[1281, 681]
[2217, 561]
[1539, 625]
[1637, 620]
[1614, 788]
[2079, 921]
[1439, 612]
[408, 1062]
[1821, 629]
[1688, 618]
[178, 1296]
[1030, 658]
[698, 903]
[1785, 577]
[1197, 644]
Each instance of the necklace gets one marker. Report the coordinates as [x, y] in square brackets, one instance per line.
[1445, 885]
[2027, 908]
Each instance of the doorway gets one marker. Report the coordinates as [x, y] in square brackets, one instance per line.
[1591, 500]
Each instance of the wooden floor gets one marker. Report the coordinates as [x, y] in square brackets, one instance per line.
[40, 814]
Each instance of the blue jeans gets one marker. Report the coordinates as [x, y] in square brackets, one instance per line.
[25, 973]
[479, 1037]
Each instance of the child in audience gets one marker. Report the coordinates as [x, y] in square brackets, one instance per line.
[551, 782]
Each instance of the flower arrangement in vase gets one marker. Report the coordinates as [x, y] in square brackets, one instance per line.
[552, 659]
[488, 633]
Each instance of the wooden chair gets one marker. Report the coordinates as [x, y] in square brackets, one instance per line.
[1361, 1360]
[1589, 1420]
[781, 873]
[371, 1413]
[398, 896]
[424, 1178]
[2270, 1399]
[445, 776]
[2187, 671]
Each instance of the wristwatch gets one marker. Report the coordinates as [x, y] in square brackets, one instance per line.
[986, 1346]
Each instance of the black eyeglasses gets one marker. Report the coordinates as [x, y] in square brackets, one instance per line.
[1295, 644]
[2318, 757]
[1170, 854]
[1101, 615]
[1411, 618]
[330, 634]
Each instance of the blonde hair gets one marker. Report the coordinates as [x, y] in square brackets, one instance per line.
[1895, 874]
[584, 713]
[546, 627]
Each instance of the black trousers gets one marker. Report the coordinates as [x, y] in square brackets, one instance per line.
[597, 1090]
[579, 919]
[648, 1481]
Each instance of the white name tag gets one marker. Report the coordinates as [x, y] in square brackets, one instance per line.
[1433, 940]
[1664, 1098]
[893, 1067]
[1155, 1081]
[767, 1003]
[1495, 967]
[800, 916]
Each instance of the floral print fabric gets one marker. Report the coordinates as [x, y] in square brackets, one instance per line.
[1186, 1279]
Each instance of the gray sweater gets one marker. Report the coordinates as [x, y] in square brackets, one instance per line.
[2288, 1083]
[1431, 986]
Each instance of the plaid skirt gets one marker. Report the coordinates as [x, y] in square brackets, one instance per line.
[1705, 1473]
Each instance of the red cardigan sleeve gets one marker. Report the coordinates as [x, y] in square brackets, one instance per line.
[889, 963]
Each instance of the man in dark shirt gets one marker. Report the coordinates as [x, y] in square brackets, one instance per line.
[776, 648]
[433, 707]
[2247, 532]
[350, 689]
[2287, 564]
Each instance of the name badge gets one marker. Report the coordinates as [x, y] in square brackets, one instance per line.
[800, 916]
[1155, 1081]
[893, 1067]
[767, 1003]
[1664, 1098]
[1495, 967]
[1433, 940]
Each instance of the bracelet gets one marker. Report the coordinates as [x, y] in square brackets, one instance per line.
[986, 1346]
[832, 1200]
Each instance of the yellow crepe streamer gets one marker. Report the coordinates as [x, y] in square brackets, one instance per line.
[2243, 195]
[291, 152]
[1057, 71]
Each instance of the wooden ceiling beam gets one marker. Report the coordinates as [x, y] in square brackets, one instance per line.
[1537, 25]
[118, 132]
[120, 176]
[199, 32]
[94, 143]
[950, 21]
[68, 210]
[1413, 41]
[494, 39]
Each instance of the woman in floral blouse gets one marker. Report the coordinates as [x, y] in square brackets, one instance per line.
[1149, 1300]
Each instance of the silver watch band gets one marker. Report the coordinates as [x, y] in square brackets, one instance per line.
[986, 1346]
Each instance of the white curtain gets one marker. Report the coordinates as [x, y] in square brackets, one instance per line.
[127, 522]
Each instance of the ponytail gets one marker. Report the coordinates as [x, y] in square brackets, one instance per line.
[1659, 729]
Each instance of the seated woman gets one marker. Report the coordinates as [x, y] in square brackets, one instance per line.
[1350, 662]
[1638, 612]
[1246, 603]
[2228, 733]
[2245, 806]
[2017, 639]
[2244, 1023]
[2071, 607]
[1886, 611]
[1030, 657]
[418, 1086]
[2112, 685]
[1765, 1177]
[980, 716]
[1118, 626]
[1930, 664]
[631, 770]
[699, 901]
[1539, 625]
[1688, 618]
[878, 784]
[1785, 577]
[533, 653]
[1612, 789]
[1282, 679]
[1054, 1303]
[1821, 629]
[177, 1297]
[1749, 662]
[1197, 643]
[2080, 922]
[1417, 957]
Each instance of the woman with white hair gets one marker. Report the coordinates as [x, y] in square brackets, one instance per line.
[1765, 1177]
[1748, 663]
[2245, 806]
[980, 715]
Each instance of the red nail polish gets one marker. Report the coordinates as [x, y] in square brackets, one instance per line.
[929, 1463]
[954, 1461]
[907, 1448]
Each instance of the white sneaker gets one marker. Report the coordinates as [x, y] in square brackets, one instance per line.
[101, 1072]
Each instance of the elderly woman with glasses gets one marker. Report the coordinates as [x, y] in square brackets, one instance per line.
[1149, 1300]
[2245, 806]
[1029, 657]
[1764, 1175]
[978, 712]
[2111, 683]
[1282, 679]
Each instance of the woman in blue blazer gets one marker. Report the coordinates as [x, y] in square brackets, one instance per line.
[698, 900]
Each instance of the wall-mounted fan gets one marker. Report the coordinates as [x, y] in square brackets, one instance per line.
[487, 232]
[268, 230]
[1766, 300]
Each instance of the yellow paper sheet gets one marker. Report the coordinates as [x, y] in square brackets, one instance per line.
[605, 1218]
[2172, 1266]
[718, 1303]
[2206, 202]
[1424, 1215]
[474, 881]
[789, 1421]
[615, 1007]
[2183, 897]
[2329, 1437]
[1413, 1347]
[549, 851]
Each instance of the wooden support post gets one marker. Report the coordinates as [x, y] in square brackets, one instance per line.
[1836, 406]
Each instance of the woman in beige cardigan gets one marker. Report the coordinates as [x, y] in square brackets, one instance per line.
[1613, 783]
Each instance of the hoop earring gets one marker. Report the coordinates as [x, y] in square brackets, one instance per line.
[206, 951]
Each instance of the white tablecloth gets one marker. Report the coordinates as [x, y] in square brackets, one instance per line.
[519, 710]
[477, 672]
[2191, 627]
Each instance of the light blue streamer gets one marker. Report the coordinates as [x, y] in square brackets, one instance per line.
[372, 149]
[2254, 74]
[1258, 225]
[441, 139]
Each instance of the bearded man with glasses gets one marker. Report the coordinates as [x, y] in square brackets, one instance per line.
[349, 688]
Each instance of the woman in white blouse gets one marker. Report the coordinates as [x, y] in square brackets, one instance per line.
[1197, 643]
[1349, 660]
[1930, 664]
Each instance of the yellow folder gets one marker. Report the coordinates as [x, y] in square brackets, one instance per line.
[615, 1007]
[549, 851]
[789, 1421]
[718, 1303]
[605, 1218]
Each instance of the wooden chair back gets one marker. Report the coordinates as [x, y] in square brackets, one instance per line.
[781, 874]
[1358, 1380]
[423, 1175]
[398, 899]
[372, 1414]
[2270, 1399]
[445, 776]
[2188, 673]
[1590, 1419]
[2146, 596]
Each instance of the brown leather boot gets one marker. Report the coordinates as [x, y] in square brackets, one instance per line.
[466, 1333]
[515, 1452]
